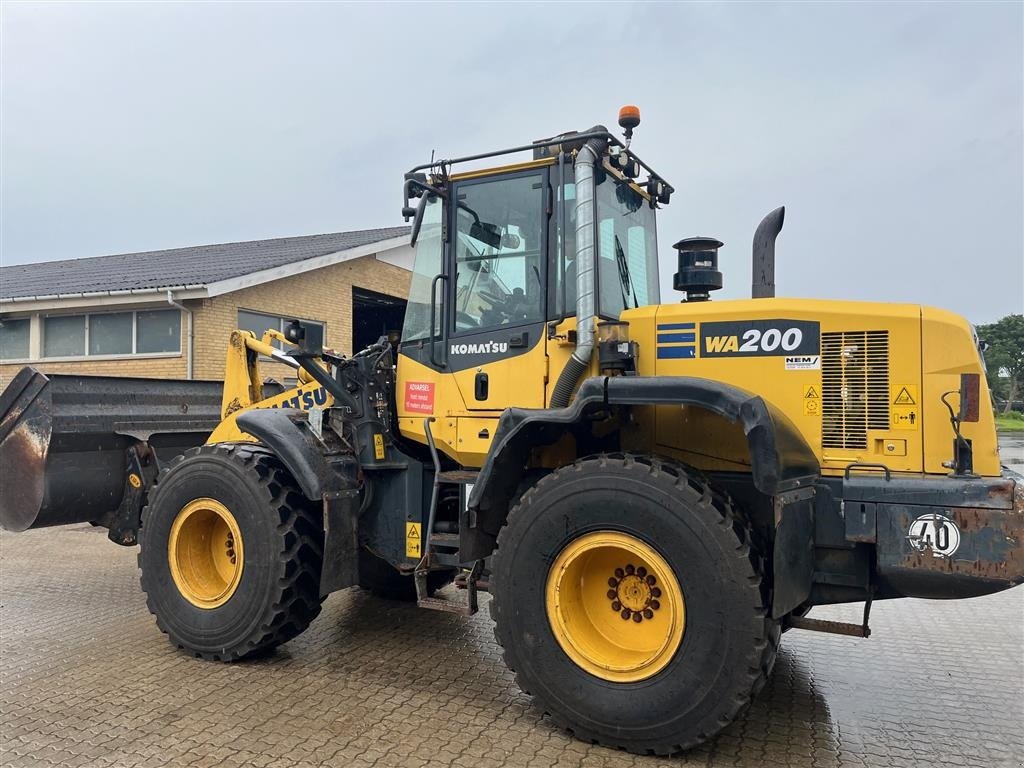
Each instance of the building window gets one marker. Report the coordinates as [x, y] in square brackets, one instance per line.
[258, 323]
[157, 331]
[112, 334]
[64, 336]
[14, 338]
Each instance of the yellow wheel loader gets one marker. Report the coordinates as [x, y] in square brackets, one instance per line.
[651, 492]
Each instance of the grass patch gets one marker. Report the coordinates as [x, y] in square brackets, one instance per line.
[1010, 422]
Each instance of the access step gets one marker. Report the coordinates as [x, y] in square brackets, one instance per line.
[467, 608]
[832, 627]
[446, 540]
[458, 476]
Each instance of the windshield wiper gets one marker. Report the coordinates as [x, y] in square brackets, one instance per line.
[625, 283]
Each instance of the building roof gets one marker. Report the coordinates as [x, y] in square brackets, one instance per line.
[193, 267]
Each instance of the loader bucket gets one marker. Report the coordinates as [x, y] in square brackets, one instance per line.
[25, 432]
[63, 440]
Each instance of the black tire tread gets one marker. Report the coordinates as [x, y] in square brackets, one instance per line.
[722, 512]
[296, 601]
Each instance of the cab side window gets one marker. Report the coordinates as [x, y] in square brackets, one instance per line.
[498, 253]
[429, 252]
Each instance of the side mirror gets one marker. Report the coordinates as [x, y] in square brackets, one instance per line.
[486, 233]
[417, 222]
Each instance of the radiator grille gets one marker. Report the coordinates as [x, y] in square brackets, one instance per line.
[854, 387]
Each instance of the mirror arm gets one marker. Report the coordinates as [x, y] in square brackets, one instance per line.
[408, 212]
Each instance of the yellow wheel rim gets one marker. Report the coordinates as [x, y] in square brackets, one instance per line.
[615, 606]
[205, 553]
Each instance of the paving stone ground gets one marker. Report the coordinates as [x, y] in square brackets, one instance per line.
[86, 679]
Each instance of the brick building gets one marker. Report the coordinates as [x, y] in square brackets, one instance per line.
[168, 314]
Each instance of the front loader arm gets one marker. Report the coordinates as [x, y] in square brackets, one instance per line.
[243, 385]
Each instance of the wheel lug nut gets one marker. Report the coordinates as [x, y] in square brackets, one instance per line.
[625, 613]
[612, 594]
[641, 571]
[637, 617]
[651, 581]
[655, 592]
[655, 604]
[619, 573]
[648, 613]
[612, 582]
[616, 606]
[630, 569]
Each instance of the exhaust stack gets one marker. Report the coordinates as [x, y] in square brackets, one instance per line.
[588, 157]
[763, 279]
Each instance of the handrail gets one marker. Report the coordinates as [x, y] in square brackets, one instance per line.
[433, 313]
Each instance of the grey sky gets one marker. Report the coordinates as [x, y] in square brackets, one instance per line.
[892, 133]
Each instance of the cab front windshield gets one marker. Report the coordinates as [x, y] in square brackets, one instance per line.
[627, 250]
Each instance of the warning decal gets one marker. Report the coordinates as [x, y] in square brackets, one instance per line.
[413, 540]
[903, 397]
[904, 412]
[419, 397]
[812, 401]
[378, 446]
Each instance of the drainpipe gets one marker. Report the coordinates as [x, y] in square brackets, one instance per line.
[586, 271]
[189, 334]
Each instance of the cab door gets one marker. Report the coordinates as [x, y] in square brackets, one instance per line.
[496, 295]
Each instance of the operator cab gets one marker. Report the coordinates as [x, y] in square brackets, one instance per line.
[496, 249]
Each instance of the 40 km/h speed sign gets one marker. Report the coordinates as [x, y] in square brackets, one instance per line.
[934, 533]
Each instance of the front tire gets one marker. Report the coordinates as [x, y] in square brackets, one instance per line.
[631, 604]
[230, 553]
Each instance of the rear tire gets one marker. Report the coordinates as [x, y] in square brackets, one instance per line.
[619, 692]
[230, 553]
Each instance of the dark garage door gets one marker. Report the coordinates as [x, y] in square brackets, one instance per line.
[373, 315]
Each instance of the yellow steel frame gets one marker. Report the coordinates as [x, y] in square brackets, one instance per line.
[243, 385]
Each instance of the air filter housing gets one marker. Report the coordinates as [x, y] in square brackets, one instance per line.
[698, 273]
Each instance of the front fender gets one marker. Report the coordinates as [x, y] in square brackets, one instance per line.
[286, 433]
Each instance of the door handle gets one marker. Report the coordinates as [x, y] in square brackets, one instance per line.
[519, 340]
[481, 386]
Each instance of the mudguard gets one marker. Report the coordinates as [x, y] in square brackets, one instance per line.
[326, 476]
[287, 434]
[780, 457]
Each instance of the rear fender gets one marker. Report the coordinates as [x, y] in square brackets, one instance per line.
[781, 460]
